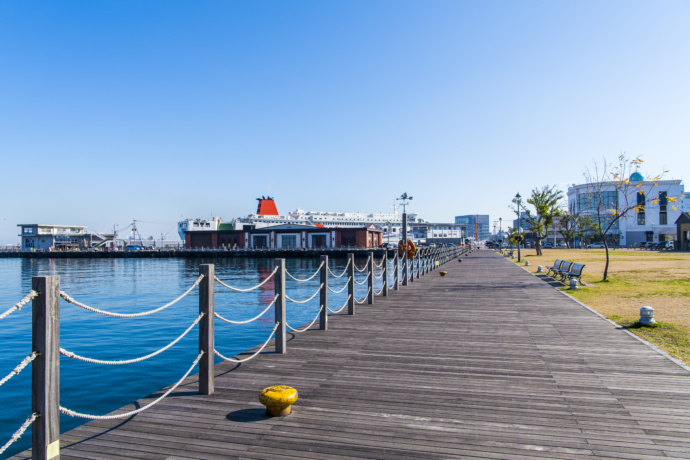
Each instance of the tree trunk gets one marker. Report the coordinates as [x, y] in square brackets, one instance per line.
[606, 267]
[537, 246]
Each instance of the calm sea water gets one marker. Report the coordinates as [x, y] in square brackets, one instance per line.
[130, 286]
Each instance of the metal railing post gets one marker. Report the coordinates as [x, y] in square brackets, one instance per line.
[323, 297]
[405, 273]
[351, 284]
[280, 306]
[370, 278]
[45, 368]
[206, 329]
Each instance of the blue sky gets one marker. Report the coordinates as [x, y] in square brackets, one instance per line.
[119, 110]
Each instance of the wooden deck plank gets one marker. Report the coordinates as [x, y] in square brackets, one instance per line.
[488, 362]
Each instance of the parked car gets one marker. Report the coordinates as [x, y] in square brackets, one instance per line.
[561, 245]
[596, 246]
[667, 245]
[134, 247]
[548, 244]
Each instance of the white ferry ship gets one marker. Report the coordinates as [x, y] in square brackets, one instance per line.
[267, 215]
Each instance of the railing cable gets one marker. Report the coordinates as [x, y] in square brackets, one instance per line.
[294, 329]
[250, 289]
[249, 320]
[364, 299]
[305, 301]
[25, 362]
[233, 360]
[341, 308]
[18, 306]
[337, 292]
[69, 299]
[71, 355]
[72, 413]
[17, 434]
[318, 270]
[342, 274]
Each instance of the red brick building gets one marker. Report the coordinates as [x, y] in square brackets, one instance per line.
[287, 237]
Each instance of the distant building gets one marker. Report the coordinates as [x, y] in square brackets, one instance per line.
[438, 233]
[653, 222]
[42, 237]
[287, 236]
[477, 226]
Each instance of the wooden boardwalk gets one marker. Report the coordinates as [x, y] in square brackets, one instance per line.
[487, 362]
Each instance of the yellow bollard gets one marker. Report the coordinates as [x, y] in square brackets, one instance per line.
[278, 400]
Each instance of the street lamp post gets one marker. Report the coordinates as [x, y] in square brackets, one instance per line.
[500, 232]
[517, 197]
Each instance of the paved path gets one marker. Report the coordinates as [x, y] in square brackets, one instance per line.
[487, 362]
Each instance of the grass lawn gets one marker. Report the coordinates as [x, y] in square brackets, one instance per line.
[637, 278]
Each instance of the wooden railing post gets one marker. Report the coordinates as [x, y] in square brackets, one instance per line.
[351, 284]
[45, 369]
[396, 272]
[206, 329]
[411, 269]
[323, 316]
[370, 267]
[280, 306]
[384, 264]
[405, 273]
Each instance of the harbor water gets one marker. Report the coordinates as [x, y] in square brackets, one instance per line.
[131, 286]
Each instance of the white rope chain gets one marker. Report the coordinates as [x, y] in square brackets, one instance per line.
[18, 306]
[304, 301]
[25, 362]
[341, 308]
[72, 413]
[378, 277]
[249, 320]
[337, 292]
[17, 434]
[363, 282]
[343, 273]
[294, 329]
[308, 279]
[250, 289]
[71, 355]
[379, 265]
[364, 299]
[233, 360]
[69, 299]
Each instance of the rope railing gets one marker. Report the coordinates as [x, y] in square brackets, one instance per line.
[17, 434]
[337, 292]
[363, 269]
[342, 274]
[364, 299]
[72, 413]
[250, 289]
[46, 299]
[304, 301]
[71, 355]
[341, 308]
[25, 362]
[362, 283]
[273, 302]
[18, 306]
[318, 270]
[294, 329]
[237, 361]
[69, 299]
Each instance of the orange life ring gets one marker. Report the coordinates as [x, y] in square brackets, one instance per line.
[408, 248]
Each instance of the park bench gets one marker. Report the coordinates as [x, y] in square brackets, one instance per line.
[575, 272]
[555, 267]
[565, 267]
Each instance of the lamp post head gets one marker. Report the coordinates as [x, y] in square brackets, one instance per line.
[518, 196]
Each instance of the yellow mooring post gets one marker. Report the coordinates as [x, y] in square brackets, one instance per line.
[278, 400]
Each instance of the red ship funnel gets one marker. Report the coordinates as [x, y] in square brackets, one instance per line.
[267, 207]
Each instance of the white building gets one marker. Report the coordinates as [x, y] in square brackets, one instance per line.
[663, 202]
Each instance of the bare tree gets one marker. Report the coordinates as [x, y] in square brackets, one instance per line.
[610, 195]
